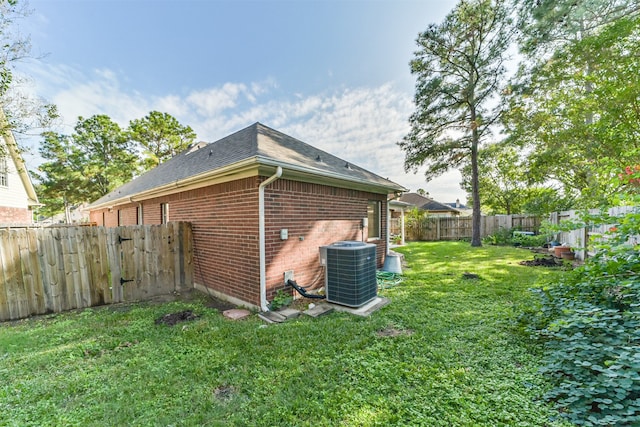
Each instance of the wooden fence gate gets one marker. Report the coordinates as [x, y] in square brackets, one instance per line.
[48, 270]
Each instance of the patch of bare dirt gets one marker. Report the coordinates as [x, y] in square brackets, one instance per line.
[546, 261]
[391, 331]
[220, 305]
[173, 318]
[224, 392]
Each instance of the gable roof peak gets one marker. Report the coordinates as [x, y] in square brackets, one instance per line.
[257, 146]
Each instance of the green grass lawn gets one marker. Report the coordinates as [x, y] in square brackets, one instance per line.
[447, 351]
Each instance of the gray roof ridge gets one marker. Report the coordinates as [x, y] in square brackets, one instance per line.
[256, 141]
[323, 154]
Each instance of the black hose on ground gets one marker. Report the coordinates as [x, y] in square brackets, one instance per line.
[302, 292]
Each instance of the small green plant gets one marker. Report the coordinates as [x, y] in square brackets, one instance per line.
[502, 237]
[281, 299]
[590, 323]
[528, 241]
[507, 237]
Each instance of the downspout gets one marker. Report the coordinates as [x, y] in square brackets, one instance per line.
[264, 305]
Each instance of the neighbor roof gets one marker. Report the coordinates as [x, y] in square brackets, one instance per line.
[426, 203]
[255, 147]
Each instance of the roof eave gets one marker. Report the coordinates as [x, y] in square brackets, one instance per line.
[243, 168]
[339, 180]
[254, 166]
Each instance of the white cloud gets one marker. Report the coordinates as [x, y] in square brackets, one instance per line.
[361, 125]
[215, 100]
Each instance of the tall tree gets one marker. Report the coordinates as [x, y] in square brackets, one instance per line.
[86, 165]
[502, 179]
[161, 137]
[106, 154]
[459, 68]
[61, 179]
[547, 25]
[506, 187]
[21, 111]
[577, 113]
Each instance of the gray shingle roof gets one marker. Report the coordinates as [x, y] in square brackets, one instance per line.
[267, 146]
[426, 203]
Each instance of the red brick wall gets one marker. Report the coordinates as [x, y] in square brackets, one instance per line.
[15, 215]
[224, 218]
[128, 215]
[314, 215]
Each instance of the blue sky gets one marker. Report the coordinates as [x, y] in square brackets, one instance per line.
[334, 74]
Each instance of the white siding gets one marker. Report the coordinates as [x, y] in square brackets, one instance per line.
[14, 195]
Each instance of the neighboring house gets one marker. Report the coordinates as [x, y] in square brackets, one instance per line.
[261, 203]
[75, 215]
[428, 205]
[17, 196]
[463, 209]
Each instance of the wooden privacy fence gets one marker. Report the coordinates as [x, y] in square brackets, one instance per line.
[436, 228]
[56, 269]
[581, 239]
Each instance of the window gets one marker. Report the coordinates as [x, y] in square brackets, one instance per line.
[373, 217]
[139, 218]
[120, 217]
[164, 213]
[4, 172]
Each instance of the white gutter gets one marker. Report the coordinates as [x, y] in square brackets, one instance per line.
[333, 175]
[264, 305]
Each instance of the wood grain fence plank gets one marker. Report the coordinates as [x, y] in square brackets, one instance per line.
[39, 301]
[5, 312]
[61, 268]
[113, 249]
[31, 297]
[17, 293]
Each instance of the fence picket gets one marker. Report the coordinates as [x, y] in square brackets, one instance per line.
[435, 228]
[57, 269]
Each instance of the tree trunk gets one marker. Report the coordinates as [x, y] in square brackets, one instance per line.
[475, 183]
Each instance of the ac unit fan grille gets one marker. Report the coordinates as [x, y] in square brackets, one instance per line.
[351, 274]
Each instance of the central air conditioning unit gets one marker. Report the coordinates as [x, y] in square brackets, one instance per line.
[350, 277]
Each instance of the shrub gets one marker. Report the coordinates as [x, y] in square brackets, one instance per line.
[528, 240]
[507, 237]
[502, 237]
[590, 322]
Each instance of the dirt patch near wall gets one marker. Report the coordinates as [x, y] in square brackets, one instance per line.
[174, 318]
[220, 305]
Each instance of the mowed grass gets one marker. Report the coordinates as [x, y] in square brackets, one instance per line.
[447, 351]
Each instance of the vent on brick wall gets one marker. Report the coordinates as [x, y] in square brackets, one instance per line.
[350, 272]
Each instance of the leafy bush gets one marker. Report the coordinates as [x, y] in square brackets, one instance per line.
[528, 240]
[507, 237]
[502, 237]
[591, 324]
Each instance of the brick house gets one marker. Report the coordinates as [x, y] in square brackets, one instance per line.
[260, 203]
[17, 195]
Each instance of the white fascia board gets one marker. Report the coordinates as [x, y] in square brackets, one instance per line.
[243, 169]
[318, 176]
